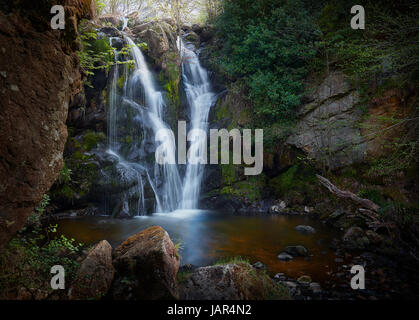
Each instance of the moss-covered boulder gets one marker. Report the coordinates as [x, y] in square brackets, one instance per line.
[238, 281]
[146, 265]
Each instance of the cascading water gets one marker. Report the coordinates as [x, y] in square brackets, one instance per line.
[135, 111]
[154, 102]
[200, 98]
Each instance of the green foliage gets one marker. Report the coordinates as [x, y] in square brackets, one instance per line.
[268, 46]
[35, 217]
[96, 53]
[371, 194]
[65, 174]
[27, 261]
[385, 49]
[91, 139]
[298, 180]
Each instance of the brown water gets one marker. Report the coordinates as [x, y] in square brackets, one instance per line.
[210, 236]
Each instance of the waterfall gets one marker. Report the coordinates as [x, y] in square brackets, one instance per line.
[154, 102]
[137, 108]
[136, 113]
[200, 98]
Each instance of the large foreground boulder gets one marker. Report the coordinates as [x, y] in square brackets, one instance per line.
[147, 264]
[231, 282]
[95, 274]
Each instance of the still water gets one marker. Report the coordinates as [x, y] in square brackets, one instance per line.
[208, 236]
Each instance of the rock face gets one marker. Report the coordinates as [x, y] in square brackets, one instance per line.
[95, 274]
[160, 37]
[39, 76]
[146, 264]
[333, 129]
[327, 124]
[231, 282]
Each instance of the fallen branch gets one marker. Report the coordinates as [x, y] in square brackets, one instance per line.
[368, 204]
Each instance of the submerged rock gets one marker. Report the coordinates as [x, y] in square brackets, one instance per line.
[146, 265]
[95, 274]
[285, 256]
[259, 265]
[231, 282]
[305, 229]
[297, 251]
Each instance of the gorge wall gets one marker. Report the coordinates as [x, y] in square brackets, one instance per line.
[39, 70]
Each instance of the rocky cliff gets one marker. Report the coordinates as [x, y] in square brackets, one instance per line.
[40, 75]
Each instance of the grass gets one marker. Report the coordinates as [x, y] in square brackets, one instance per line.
[231, 260]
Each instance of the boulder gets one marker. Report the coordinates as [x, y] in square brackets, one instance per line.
[315, 287]
[193, 38]
[355, 238]
[305, 279]
[231, 282]
[297, 251]
[260, 265]
[160, 37]
[285, 256]
[95, 274]
[146, 265]
[305, 229]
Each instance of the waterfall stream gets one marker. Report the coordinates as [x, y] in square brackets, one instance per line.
[200, 98]
[136, 112]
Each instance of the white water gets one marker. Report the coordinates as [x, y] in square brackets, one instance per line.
[170, 192]
[140, 96]
[200, 99]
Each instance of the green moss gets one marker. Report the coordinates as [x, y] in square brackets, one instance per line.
[91, 139]
[284, 181]
[183, 276]
[231, 260]
[295, 181]
[228, 173]
[222, 111]
[120, 82]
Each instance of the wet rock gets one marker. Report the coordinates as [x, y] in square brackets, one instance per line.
[306, 279]
[160, 37]
[305, 229]
[95, 274]
[146, 265]
[297, 251]
[193, 38]
[279, 207]
[285, 257]
[336, 214]
[308, 209]
[354, 238]
[315, 288]
[231, 282]
[259, 265]
[280, 276]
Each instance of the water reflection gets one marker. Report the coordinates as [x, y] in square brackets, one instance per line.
[209, 236]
